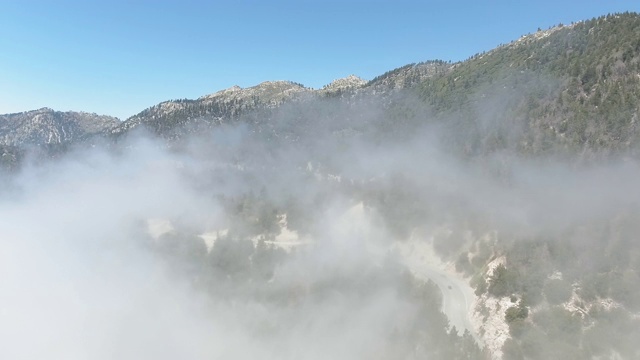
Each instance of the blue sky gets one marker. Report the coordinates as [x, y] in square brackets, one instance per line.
[120, 57]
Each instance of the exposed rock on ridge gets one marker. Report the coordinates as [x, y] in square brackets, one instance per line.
[46, 126]
[350, 82]
[409, 75]
[227, 105]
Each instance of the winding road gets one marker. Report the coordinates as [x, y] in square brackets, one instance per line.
[457, 295]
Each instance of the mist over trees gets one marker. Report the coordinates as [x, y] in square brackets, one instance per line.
[275, 232]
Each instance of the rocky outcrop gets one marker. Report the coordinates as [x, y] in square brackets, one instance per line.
[342, 85]
[48, 127]
[217, 108]
[408, 76]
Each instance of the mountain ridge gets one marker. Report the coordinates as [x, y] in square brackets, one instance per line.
[47, 126]
[570, 86]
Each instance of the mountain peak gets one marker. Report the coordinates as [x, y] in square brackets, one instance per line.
[267, 88]
[351, 81]
[272, 92]
[47, 126]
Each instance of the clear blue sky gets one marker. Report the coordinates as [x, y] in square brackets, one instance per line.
[119, 57]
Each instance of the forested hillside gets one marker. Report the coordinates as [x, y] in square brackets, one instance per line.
[517, 167]
[574, 86]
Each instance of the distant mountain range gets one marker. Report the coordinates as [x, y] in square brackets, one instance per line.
[572, 87]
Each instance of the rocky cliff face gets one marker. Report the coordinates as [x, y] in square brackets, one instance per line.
[48, 127]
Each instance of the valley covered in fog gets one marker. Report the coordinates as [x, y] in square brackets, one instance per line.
[485, 208]
[322, 229]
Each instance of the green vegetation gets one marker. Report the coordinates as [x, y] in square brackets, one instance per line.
[516, 313]
[236, 270]
[10, 157]
[439, 67]
[570, 87]
[252, 215]
[503, 282]
[572, 91]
